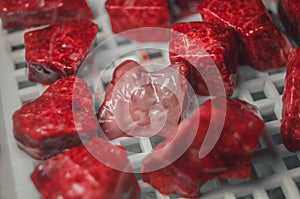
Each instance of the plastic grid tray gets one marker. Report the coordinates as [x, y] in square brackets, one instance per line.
[275, 171]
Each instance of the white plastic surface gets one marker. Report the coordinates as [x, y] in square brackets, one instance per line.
[275, 171]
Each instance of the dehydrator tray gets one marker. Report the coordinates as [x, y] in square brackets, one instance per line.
[275, 171]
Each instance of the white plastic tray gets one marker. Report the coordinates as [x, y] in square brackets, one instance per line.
[275, 171]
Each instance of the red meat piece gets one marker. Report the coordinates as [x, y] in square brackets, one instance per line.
[31, 13]
[133, 14]
[60, 118]
[263, 45]
[139, 103]
[57, 51]
[192, 43]
[230, 156]
[78, 174]
[290, 102]
[289, 13]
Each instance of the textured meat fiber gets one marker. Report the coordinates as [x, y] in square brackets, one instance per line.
[58, 50]
[78, 174]
[136, 103]
[263, 45]
[131, 14]
[289, 13]
[290, 128]
[230, 157]
[209, 49]
[31, 13]
[57, 120]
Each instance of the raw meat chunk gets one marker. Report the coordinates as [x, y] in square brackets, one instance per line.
[141, 103]
[79, 174]
[289, 13]
[58, 50]
[209, 49]
[229, 157]
[291, 100]
[60, 118]
[263, 45]
[133, 14]
[31, 13]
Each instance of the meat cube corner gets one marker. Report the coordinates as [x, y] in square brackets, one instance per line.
[130, 15]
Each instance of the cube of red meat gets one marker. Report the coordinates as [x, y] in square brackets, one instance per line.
[140, 103]
[58, 50]
[31, 13]
[79, 174]
[290, 101]
[229, 157]
[289, 14]
[60, 118]
[132, 14]
[211, 51]
[263, 45]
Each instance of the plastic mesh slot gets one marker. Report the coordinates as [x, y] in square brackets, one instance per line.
[122, 41]
[28, 98]
[250, 196]
[247, 74]
[236, 181]
[154, 54]
[155, 140]
[17, 47]
[291, 162]
[175, 196]
[20, 65]
[279, 87]
[14, 30]
[102, 47]
[269, 117]
[275, 193]
[276, 71]
[263, 169]
[277, 138]
[149, 195]
[138, 176]
[258, 95]
[261, 144]
[209, 186]
[25, 84]
[297, 182]
[133, 148]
